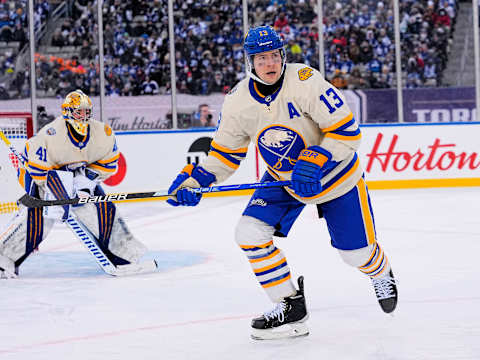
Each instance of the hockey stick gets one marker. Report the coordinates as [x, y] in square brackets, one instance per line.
[34, 202]
[88, 239]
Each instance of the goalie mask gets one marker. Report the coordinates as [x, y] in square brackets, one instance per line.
[259, 40]
[77, 111]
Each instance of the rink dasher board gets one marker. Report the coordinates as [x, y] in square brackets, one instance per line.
[392, 156]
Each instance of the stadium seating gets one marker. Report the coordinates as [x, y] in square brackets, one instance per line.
[358, 44]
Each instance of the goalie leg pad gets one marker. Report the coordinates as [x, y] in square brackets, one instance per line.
[269, 265]
[7, 268]
[25, 231]
[113, 235]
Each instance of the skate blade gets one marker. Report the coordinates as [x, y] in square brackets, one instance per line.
[135, 269]
[286, 331]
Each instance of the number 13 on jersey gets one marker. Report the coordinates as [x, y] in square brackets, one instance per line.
[331, 100]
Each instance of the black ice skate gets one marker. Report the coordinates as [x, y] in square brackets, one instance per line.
[286, 320]
[386, 291]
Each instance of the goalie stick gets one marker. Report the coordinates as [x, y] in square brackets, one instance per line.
[33, 202]
[88, 239]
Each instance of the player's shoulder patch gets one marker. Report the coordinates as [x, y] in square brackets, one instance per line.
[108, 130]
[51, 131]
[305, 73]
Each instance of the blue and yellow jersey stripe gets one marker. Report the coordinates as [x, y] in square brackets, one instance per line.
[107, 165]
[229, 157]
[338, 131]
[37, 171]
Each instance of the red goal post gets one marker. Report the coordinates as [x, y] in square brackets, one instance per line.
[17, 127]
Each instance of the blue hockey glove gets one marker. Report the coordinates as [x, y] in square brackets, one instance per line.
[191, 176]
[307, 171]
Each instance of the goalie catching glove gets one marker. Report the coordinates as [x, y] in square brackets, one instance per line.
[191, 176]
[308, 171]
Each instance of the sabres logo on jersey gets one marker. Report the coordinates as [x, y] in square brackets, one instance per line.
[305, 73]
[51, 131]
[280, 146]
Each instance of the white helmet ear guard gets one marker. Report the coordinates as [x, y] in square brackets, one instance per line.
[77, 111]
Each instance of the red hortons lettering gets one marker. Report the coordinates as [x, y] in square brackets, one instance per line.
[438, 156]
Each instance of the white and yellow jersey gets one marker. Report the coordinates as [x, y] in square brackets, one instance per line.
[55, 147]
[306, 110]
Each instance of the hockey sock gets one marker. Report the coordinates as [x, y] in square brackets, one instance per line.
[271, 269]
[377, 264]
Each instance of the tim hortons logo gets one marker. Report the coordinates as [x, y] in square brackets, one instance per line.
[437, 156]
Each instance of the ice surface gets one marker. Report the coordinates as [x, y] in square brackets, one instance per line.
[199, 304]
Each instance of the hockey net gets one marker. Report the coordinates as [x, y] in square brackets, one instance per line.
[17, 127]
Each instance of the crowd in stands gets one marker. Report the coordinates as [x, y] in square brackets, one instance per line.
[13, 37]
[358, 44]
[360, 53]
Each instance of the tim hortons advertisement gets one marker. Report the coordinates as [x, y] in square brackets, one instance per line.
[391, 156]
[418, 156]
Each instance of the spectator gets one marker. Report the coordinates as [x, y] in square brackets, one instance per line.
[149, 87]
[356, 80]
[217, 84]
[281, 22]
[442, 18]
[203, 117]
[339, 80]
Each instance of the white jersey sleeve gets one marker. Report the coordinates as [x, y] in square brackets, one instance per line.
[328, 108]
[230, 143]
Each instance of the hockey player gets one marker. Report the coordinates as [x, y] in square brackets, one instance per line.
[78, 144]
[304, 131]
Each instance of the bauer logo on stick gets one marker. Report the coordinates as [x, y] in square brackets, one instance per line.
[104, 198]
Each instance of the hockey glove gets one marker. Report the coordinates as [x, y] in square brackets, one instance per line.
[191, 176]
[307, 171]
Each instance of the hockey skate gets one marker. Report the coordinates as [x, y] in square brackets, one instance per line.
[286, 320]
[386, 292]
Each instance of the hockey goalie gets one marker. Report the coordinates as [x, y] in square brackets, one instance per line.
[70, 157]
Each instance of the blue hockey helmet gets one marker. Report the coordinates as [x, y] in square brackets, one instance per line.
[261, 39]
